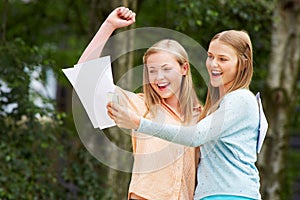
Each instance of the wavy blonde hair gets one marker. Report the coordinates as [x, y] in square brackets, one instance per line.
[241, 43]
[187, 99]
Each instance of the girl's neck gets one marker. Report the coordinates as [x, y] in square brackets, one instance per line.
[173, 103]
[222, 91]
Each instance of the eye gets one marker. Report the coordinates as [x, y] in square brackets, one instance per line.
[152, 71]
[223, 59]
[209, 56]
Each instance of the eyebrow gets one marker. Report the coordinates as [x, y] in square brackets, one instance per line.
[164, 65]
[218, 55]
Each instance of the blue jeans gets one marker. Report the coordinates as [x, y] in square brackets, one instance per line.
[225, 197]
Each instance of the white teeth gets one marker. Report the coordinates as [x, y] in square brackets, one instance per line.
[162, 84]
[216, 73]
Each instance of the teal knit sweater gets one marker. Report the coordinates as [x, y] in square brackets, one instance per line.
[228, 141]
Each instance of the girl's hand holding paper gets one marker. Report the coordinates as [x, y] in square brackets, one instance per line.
[123, 116]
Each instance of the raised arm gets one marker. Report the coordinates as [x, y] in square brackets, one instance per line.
[118, 18]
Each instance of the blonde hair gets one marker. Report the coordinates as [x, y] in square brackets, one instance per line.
[187, 99]
[241, 43]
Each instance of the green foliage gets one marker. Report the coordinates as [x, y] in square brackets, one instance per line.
[205, 18]
[293, 175]
[27, 165]
[40, 153]
[38, 163]
[18, 63]
[41, 158]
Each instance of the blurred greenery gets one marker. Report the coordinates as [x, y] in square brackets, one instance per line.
[40, 153]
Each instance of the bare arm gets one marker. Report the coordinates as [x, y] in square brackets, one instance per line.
[118, 18]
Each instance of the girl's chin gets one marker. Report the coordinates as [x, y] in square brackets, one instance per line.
[216, 84]
[165, 95]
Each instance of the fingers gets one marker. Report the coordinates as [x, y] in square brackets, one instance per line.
[109, 111]
[123, 116]
[112, 110]
[126, 13]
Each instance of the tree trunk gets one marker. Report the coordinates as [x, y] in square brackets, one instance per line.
[118, 181]
[280, 96]
[117, 184]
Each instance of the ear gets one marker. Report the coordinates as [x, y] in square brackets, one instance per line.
[185, 68]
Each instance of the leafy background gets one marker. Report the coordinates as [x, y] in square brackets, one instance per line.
[41, 154]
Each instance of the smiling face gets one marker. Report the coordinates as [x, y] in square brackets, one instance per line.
[221, 64]
[165, 75]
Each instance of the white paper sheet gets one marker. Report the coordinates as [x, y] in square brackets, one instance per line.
[263, 124]
[92, 81]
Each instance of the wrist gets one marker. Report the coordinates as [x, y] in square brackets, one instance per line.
[108, 26]
[137, 122]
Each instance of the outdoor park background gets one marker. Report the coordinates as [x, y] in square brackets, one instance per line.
[42, 156]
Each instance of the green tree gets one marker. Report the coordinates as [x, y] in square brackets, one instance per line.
[41, 154]
[281, 90]
[276, 66]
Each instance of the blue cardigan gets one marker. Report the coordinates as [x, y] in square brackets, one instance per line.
[228, 140]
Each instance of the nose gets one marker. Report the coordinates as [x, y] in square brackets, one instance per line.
[214, 63]
[160, 75]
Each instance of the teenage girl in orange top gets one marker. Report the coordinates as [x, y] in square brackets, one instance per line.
[161, 170]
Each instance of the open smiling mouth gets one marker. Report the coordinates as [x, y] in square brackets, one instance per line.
[216, 73]
[162, 86]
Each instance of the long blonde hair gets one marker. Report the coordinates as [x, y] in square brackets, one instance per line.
[241, 43]
[187, 99]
